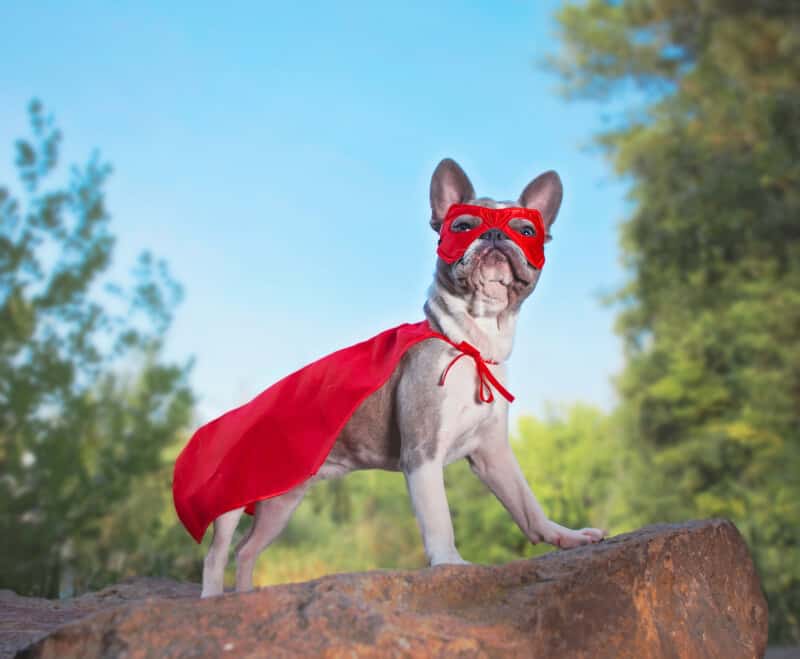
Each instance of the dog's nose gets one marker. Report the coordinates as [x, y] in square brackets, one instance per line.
[494, 235]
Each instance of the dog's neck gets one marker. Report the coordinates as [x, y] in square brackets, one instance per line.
[448, 314]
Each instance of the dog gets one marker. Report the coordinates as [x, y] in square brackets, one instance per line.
[414, 425]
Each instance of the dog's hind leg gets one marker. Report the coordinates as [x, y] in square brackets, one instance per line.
[271, 517]
[217, 556]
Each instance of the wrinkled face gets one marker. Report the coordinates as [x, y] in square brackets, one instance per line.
[491, 259]
[496, 270]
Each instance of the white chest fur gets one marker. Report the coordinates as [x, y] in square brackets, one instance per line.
[465, 418]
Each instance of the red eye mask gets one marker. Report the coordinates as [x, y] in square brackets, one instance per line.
[453, 244]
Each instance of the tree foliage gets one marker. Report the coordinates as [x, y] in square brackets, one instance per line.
[87, 405]
[711, 311]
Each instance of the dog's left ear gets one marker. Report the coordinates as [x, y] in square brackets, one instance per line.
[544, 193]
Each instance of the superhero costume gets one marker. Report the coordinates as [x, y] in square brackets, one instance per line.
[282, 437]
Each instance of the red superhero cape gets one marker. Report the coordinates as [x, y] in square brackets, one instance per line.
[281, 438]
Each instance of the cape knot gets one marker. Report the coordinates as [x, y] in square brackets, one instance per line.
[485, 375]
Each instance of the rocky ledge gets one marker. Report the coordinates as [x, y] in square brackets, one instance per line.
[680, 590]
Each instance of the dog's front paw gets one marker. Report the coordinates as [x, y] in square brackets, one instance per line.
[565, 538]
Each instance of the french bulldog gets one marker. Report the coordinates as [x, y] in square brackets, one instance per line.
[411, 424]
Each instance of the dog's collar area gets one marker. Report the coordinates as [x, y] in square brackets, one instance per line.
[486, 379]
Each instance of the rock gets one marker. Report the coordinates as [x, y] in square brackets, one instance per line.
[24, 619]
[683, 590]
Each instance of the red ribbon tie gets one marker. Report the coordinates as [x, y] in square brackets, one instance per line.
[485, 375]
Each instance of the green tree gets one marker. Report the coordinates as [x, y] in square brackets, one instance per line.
[711, 311]
[87, 406]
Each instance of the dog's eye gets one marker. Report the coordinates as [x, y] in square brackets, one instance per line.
[461, 226]
[527, 231]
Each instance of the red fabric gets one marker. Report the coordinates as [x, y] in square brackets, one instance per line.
[281, 438]
[453, 244]
[485, 376]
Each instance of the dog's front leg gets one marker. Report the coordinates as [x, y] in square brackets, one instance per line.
[429, 500]
[495, 464]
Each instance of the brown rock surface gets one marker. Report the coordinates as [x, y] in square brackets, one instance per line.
[683, 590]
[25, 619]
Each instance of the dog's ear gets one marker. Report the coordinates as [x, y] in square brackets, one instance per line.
[544, 193]
[449, 185]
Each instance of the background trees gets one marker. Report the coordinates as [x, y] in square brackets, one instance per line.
[87, 404]
[711, 312]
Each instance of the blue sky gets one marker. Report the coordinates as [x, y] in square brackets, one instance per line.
[278, 156]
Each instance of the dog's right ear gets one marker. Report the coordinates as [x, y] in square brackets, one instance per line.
[544, 193]
[449, 185]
